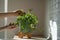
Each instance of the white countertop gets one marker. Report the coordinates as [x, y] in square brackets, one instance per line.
[33, 38]
[24, 38]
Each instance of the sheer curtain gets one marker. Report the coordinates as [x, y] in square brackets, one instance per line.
[52, 12]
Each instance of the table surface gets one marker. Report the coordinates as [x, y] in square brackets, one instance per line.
[33, 38]
[24, 38]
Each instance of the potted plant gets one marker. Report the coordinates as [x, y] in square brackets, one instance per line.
[27, 24]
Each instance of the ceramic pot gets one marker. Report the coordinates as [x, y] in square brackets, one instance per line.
[24, 35]
[20, 35]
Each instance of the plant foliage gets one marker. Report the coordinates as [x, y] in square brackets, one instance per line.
[27, 22]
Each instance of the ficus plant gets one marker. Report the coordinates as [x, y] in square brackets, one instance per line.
[27, 22]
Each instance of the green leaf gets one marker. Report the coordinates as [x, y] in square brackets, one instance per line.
[27, 21]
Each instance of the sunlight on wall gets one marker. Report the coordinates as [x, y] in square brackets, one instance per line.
[0, 39]
[5, 19]
[53, 26]
[5, 5]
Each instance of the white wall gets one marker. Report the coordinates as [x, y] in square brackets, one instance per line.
[1, 5]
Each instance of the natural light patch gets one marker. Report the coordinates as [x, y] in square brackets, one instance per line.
[5, 19]
[5, 5]
[0, 39]
[53, 26]
[5, 23]
[54, 31]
